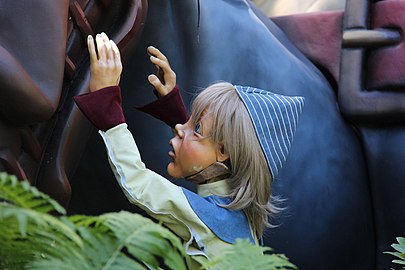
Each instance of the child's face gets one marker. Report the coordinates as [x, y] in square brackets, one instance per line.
[193, 149]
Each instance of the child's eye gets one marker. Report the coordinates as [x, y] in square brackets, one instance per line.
[197, 128]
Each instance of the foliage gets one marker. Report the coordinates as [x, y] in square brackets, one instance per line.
[400, 251]
[33, 238]
[243, 255]
[22, 194]
[35, 233]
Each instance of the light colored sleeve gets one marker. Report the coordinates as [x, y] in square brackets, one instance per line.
[160, 198]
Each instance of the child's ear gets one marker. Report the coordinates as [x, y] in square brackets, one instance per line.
[221, 154]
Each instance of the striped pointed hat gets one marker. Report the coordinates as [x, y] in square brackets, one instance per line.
[274, 119]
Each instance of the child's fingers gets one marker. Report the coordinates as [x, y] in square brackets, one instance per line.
[160, 74]
[117, 55]
[164, 65]
[92, 49]
[165, 79]
[109, 51]
[101, 48]
[158, 54]
[157, 84]
[154, 81]
[160, 60]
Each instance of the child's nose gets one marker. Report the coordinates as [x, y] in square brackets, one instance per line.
[179, 130]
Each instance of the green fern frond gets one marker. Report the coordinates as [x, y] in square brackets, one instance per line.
[89, 222]
[26, 235]
[136, 237]
[21, 193]
[243, 255]
[89, 256]
[118, 241]
[96, 250]
[28, 219]
[142, 236]
[31, 238]
[400, 251]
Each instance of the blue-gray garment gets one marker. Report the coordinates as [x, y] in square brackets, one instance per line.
[227, 225]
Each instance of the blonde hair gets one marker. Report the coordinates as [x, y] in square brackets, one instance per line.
[250, 180]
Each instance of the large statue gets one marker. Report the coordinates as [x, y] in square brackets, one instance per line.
[343, 182]
[325, 181]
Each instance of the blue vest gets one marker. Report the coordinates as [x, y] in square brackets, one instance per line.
[226, 224]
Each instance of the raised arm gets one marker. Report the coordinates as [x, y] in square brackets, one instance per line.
[103, 105]
[169, 107]
[155, 194]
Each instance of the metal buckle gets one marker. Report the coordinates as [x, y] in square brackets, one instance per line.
[358, 104]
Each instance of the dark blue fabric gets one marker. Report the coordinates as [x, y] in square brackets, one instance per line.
[227, 225]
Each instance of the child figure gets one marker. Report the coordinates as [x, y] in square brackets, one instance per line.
[232, 147]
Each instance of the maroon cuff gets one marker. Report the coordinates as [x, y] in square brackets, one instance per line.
[169, 109]
[102, 107]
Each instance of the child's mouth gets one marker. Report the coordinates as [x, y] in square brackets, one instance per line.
[172, 153]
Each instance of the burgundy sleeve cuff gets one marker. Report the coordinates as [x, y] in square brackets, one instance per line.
[169, 109]
[102, 107]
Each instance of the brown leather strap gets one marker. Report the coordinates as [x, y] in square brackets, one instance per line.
[80, 18]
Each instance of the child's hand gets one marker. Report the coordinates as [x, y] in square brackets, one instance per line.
[165, 80]
[105, 70]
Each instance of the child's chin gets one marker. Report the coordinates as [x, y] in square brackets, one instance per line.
[171, 170]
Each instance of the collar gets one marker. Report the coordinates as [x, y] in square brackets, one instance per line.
[220, 187]
[213, 173]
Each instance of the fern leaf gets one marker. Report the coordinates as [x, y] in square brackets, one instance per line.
[399, 248]
[22, 194]
[143, 236]
[399, 262]
[131, 242]
[116, 241]
[89, 222]
[40, 220]
[27, 235]
[125, 263]
[244, 255]
[33, 239]
[137, 238]
[400, 251]
[88, 256]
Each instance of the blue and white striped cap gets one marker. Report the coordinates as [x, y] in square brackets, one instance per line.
[275, 119]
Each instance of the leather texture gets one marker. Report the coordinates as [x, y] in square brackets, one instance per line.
[43, 64]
